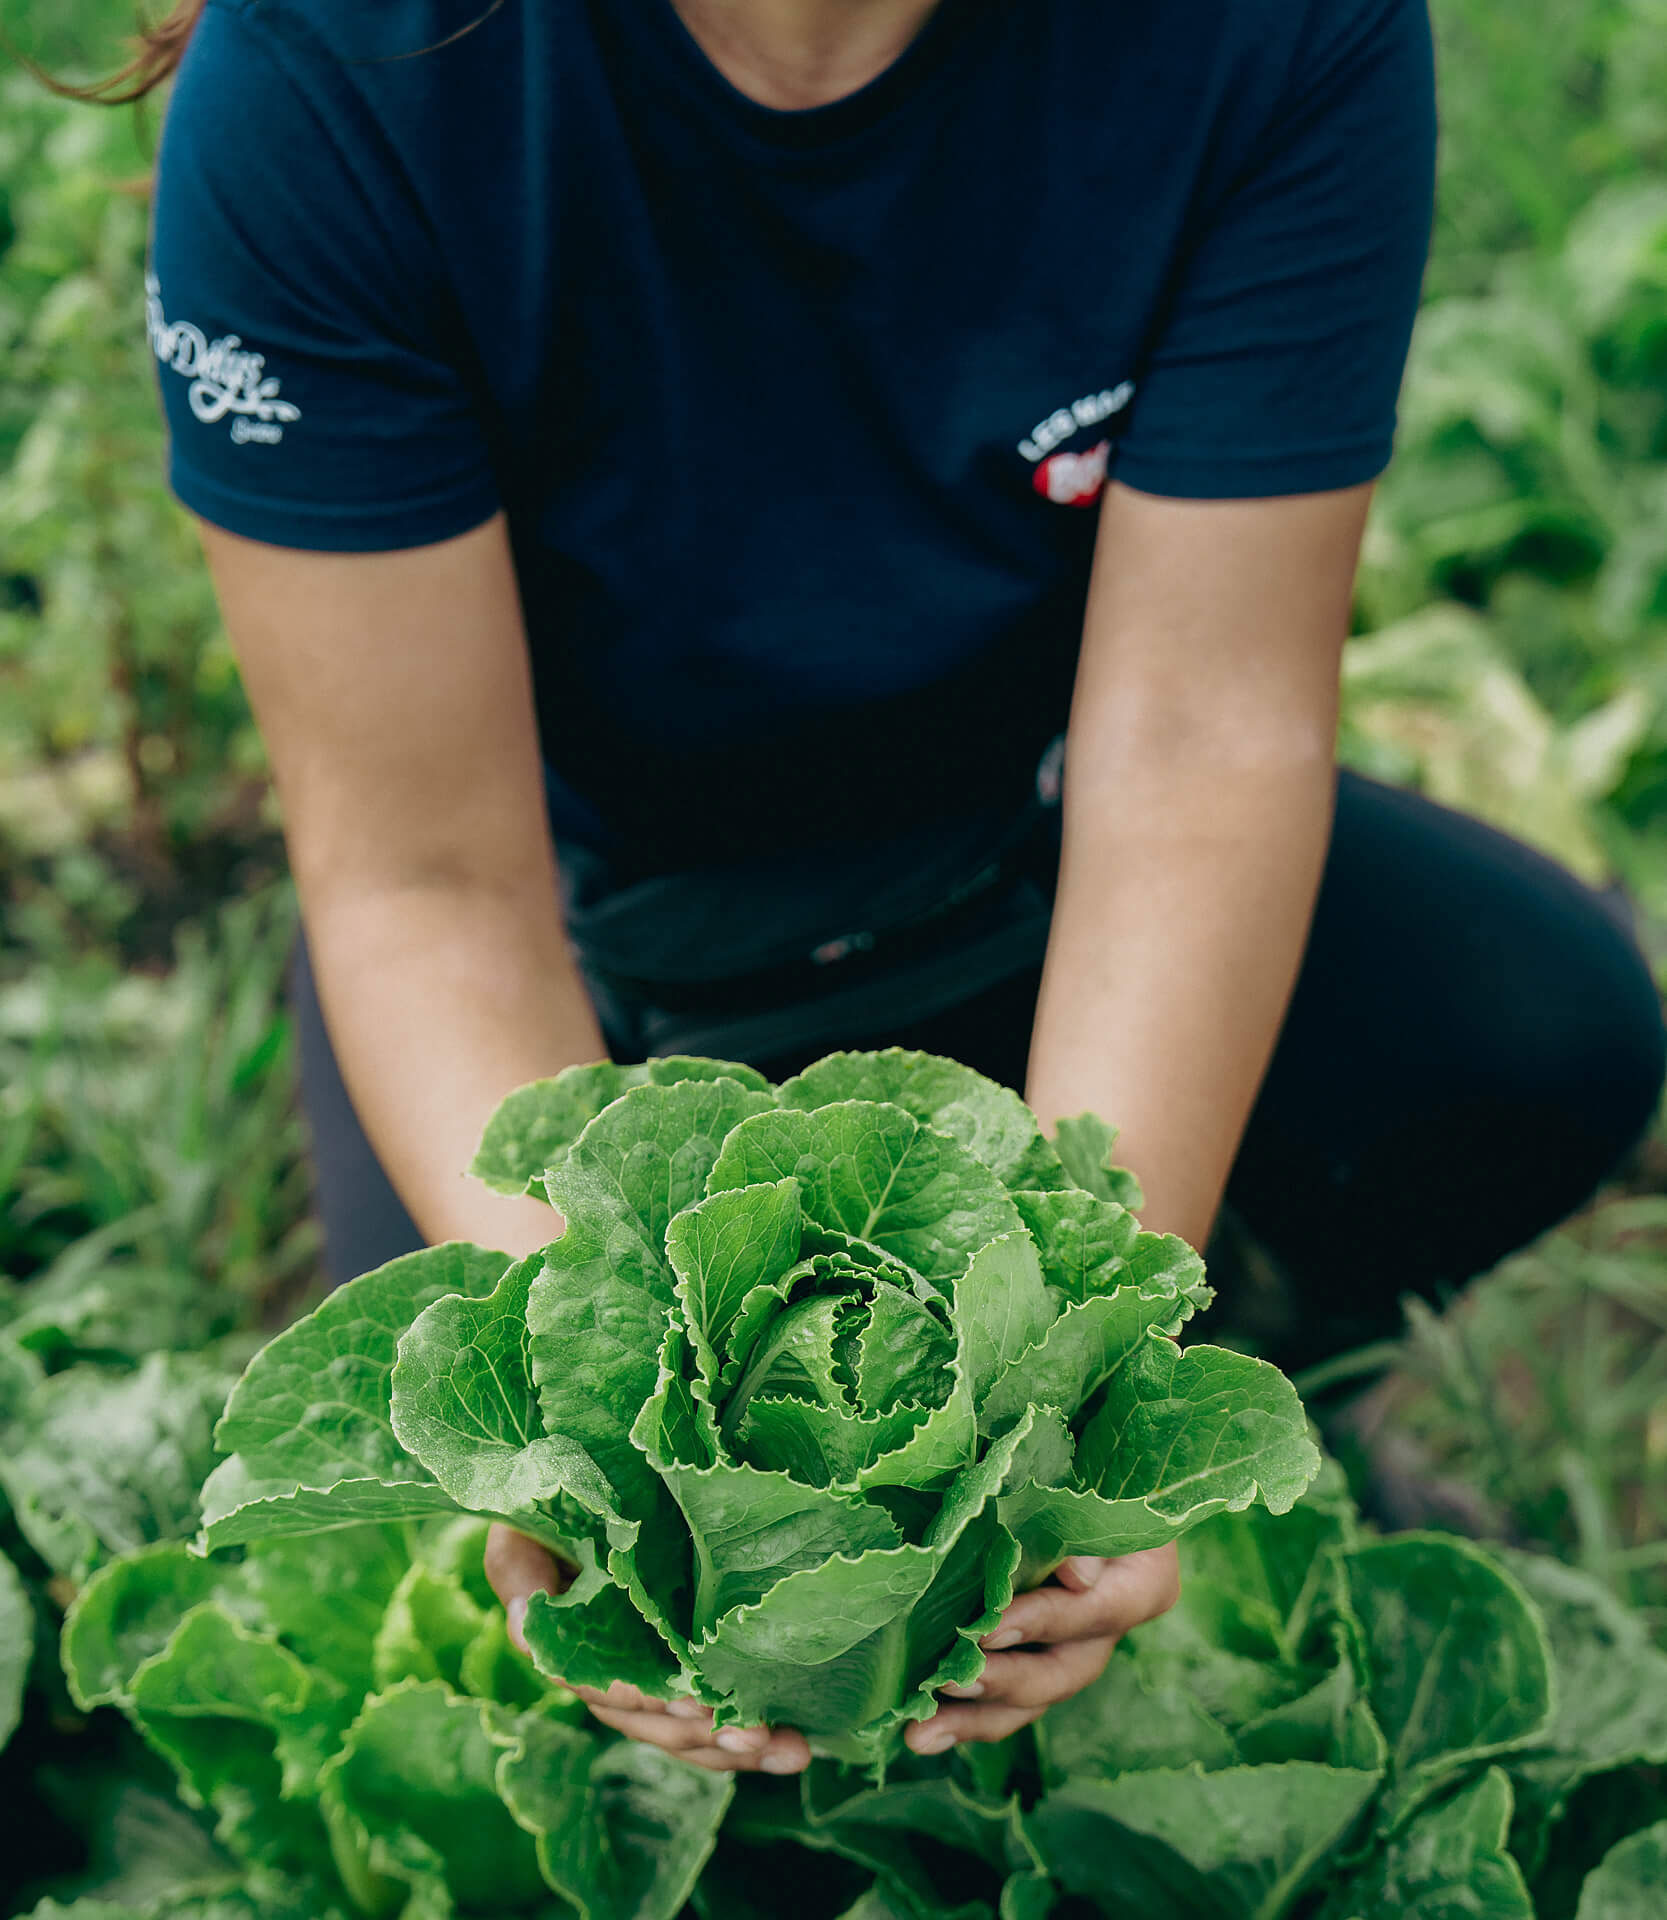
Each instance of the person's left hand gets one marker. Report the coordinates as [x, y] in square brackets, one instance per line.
[1072, 1624]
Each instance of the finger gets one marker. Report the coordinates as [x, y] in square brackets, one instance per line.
[963, 1726]
[622, 1697]
[1037, 1679]
[1126, 1593]
[682, 1735]
[715, 1760]
[1080, 1573]
[734, 1750]
[657, 1729]
[516, 1568]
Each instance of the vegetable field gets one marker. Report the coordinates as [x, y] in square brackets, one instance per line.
[883, 1353]
[813, 1380]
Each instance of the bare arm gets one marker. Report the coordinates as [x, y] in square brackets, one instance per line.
[1198, 794]
[394, 696]
[1199, 789]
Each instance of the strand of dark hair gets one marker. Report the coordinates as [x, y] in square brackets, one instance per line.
[159, 47]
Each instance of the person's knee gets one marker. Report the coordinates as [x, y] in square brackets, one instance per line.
[1607, 1061]
[1637, 1070]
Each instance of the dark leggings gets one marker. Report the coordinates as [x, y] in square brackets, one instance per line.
[1474, 1043]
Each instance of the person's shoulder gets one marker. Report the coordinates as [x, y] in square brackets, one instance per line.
[1285, 56]
[386, 31]
[372, 81]
[1297, 30]
[1266, 47]
[1327, 33]
[424, 69]
[1276, 29]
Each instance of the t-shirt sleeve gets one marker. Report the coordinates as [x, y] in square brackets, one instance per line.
[1278, 365]
[313, 376]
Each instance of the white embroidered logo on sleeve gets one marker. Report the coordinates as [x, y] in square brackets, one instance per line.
[225, 379]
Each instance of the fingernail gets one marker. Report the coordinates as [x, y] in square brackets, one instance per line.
[935, 1740]
[685, 1710]
[1002, 1637]
[781, 1763]
[515, 1615]
[1087, 1570]
[973, 1690]
[743, 1739]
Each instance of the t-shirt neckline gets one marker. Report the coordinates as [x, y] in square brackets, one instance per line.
[810, 127]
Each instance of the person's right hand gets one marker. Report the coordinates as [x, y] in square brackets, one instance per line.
[517, 1568]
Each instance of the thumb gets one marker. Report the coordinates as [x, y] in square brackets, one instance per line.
[517, 1568]
[1077, 1575]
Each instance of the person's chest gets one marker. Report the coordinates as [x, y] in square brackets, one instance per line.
[700, 322]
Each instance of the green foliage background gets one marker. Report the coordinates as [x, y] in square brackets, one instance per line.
[130, 776]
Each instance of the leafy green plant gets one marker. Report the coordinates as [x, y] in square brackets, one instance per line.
[812, 1378]
[1628, 1884]
[1329, 1724]
[155, 1215]
[1539, 108]
[96, 1463]
[97, 1460]
[348, 1713]
[1435, 702]
[157, 1189]
[1528, 486]
[1542, 1389]
[1527, 483]
[1532, 430]
[111, 649]
[17, 1646]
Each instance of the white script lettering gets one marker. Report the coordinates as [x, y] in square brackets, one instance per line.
[1087, 412]
[225, 378]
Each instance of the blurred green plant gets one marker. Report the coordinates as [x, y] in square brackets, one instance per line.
[1534, 439]
[148, 1144]
[155, 1228]
[122, 720]
[1534, 1409]
[1540, 106]
[1434, 701]
[1531, 487]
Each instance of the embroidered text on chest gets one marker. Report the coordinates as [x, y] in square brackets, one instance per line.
[1088, 412]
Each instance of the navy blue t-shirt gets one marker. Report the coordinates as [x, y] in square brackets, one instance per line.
[796, 417]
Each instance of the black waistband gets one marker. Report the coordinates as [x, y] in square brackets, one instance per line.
[1019, 882]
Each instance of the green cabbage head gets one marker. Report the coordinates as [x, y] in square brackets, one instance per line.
[814, 1378]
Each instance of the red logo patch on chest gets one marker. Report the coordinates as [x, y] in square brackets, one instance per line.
[1074, 479]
